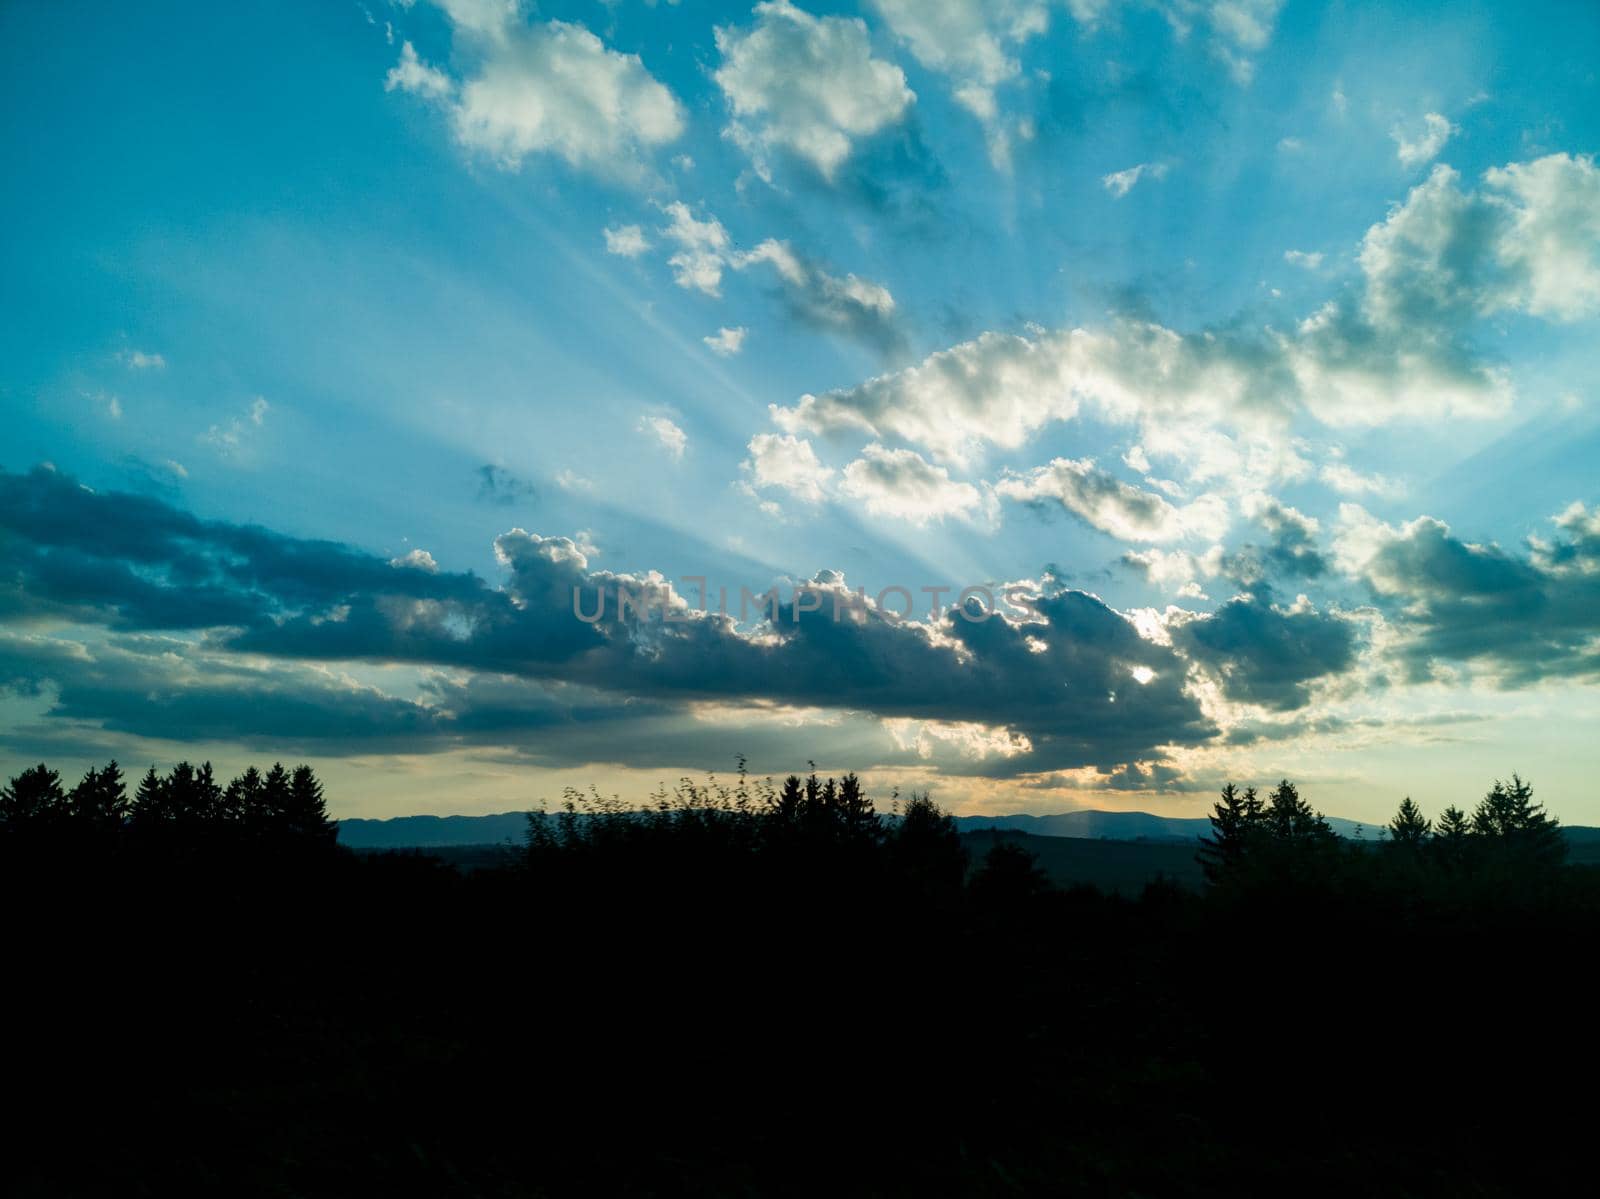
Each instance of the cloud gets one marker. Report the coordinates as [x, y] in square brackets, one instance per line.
[1436, 131]
[1268, 655]
[139, 360]
[704, 249]
[230, 439]
[628, 241]
[970, 41]
[1120, 183]
[1076, 680]
[805, 85]
[673, 439]
[1395, 346]
[1522, 617]
[502, 488]
[413, 75]
[726, 342]
[781, 462]
[1346, 480]
[1310, 260]
[1292, 550]
[850, 305]
[1104, 502]
[546, 88]
[902, 485]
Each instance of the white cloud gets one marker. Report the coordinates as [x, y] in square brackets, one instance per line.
[726, 342]
[703, 249]
[229, 439]
[1106, 503]
[903, 485]
[970, 41]
[1346, 480]
[788, 464]
[628, 241]
[1178, 571]
[850, 305]
[413, 75]
[569, 480]
[806, 85]
[549, 88]
[416, 560]
[673, 439]
[1310, 260]
[1120, 183]
[139, 360]
[1436, 130]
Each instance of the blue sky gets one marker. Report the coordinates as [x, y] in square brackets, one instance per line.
[1256, 342]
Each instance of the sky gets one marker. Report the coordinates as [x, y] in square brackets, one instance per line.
[1045, 403]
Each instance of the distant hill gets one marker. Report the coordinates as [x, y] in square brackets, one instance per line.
[431, 832]
[428, 832]
[1124, 826]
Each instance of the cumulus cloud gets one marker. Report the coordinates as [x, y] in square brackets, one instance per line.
[1310, 260]
[1291, 549]
[139, 360]
[901, 484]
[703, 249]
[1394, 347]
[726, 342]
[413, 75]
[971, 42]
[1346, 480]
[545, 88]
[806, 85]
[1105, 502]
[1524, 617]
[1075, 680]
[1266, 654]
[672, 439]
[847, 305]
[851, 306]
[626, 241]
[782, 462]
[1435, 132]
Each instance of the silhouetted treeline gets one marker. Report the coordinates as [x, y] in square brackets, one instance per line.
[280, 807]
[1507, 847]
[781, 987]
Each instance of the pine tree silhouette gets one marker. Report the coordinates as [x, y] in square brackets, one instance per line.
[1409, 829]
[100, 800]
[33, 800]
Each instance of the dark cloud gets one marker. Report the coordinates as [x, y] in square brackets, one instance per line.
[1290, 552]
[1269, 655]
[1524, 617]
[502, 488]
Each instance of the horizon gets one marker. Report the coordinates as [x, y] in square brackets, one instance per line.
[1064, 407]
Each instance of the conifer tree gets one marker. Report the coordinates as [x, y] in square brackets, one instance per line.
[855, 809]
[1233, 824]
[1517, 831]
[149, 807]
[791, 800]
[1409, 828]
[33, 799]
[307, 813]
[273, 810]
[100, 800]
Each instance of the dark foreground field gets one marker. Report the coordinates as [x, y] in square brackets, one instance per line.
[771, 1001]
